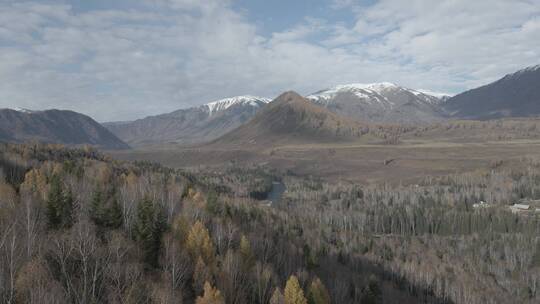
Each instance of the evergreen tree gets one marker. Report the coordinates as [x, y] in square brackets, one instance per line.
[212, 205]
[59, 206]
[66, 209]
[115, 217]
[97, 208]
[293, 293]
[372, 293]
[54, 200]
[149, 228]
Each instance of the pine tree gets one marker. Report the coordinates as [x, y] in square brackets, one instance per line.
[54, 200]
[149, 228]
[372, 293]
[293, 293]
[97, 208]
[66, 209]
[59, 206]
[115, 216]
[318, 294]
[211, 296]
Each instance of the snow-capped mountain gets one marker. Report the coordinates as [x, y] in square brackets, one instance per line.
[192, 125]
[382, 102]
[514, 95]
[224, 104]
[23, 110]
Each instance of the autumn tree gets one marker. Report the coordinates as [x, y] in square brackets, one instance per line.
[211, 296]
[318, 294]
[199, 243]
[201, 275]
[293, 292]
[246, 253]
[277, 297]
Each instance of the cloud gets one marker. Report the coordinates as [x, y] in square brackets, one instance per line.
[162, 55]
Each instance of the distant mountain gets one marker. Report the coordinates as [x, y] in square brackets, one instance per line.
[381, 103]
[189, 126]
[292, 118]
[515, 95]
[55, 126]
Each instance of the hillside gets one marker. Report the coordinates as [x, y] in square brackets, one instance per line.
[189, 126]
[292, 118]
[515, 95]
[55, 126]
[381, 103]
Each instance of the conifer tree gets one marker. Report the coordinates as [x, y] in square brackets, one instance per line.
[149, 228]
[293, 293]
[66, 209]
[54, 200]
[97, 208]
[115, 216]
[59, 206]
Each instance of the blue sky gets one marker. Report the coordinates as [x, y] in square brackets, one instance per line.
[125, 59]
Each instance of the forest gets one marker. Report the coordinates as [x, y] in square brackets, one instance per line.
[77, 226]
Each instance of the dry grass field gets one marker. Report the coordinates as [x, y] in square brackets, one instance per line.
[406, 162]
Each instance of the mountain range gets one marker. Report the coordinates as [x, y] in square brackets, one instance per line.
[55, 126]
[336, 112]
[188, 126]
[381, 103]
[378, 103]
[292, 118]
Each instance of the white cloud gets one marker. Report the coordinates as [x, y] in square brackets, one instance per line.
[124, 64]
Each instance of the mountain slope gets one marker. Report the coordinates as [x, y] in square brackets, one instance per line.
[55, 126]
[188, 126]
[381, 103]
[292, 118]
[515, 95]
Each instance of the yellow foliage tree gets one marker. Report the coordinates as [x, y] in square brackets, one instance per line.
[293, 293]
[211, 296]
[277, 297]
[246, 252]
[318, 294]
[199, 243]
[201, 275]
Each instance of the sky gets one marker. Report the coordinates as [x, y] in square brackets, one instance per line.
[127, 59]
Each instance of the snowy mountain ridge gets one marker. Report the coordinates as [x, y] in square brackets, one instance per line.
[223, 104]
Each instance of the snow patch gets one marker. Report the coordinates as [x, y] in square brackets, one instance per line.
[23, 110]
[223, 104]
[431, 93]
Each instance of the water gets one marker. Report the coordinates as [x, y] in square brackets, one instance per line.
[278, 188]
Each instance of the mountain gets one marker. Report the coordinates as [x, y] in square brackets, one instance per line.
[381, 103]
[55, 126]
[189, 126]
[292, 118]
[515, 95]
